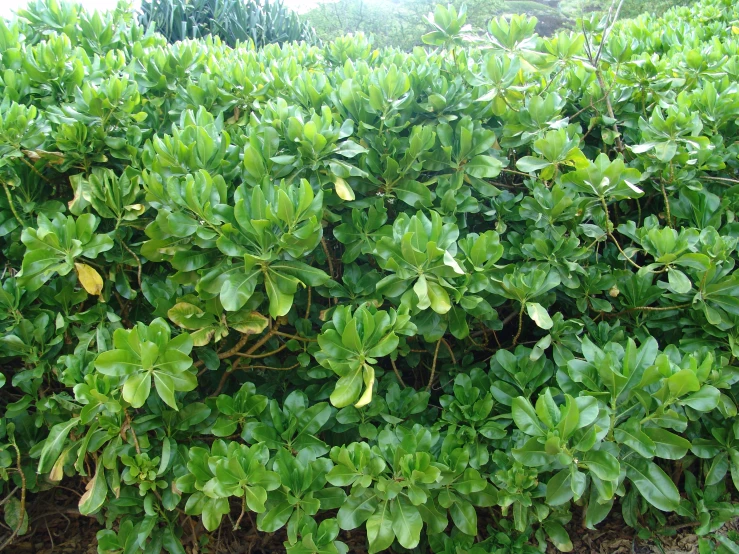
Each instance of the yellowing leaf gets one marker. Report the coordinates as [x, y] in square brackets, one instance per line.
[249, 323]
[735, 29]
[89, 279]
[343, 190]
[369, 382]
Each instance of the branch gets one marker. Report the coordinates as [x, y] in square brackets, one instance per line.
[397, 373]
[433, 365]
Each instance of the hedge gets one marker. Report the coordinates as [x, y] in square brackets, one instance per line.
[466, 299]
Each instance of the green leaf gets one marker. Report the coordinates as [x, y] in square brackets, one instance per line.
[668, 445]
[136, 389]
[407, 522]
[464, 517]
[359, 506]
[380, 532]
[653, 484]
[54, 443]
[559, 488]
[117, 363]
[525, 417]
[603, 464]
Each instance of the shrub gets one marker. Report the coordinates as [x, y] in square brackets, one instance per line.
[231, 20]
[486, 286]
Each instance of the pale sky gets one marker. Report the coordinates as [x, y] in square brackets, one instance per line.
[8, 6]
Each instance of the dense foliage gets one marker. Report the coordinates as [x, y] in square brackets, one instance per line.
[232, 21]
[454, 298]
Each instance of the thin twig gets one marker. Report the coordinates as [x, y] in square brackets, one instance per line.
[138, 261]
[307, 308]
[433, 365]
[12, 206]
[4, 500]
[265, 355]
[667, 204]
[133, 433]
[613, 238]
[243, 509]
[273, 368]
[236, 347]
[520, 324]
[721, 179]
[649, 309]
[328, 257]
[271, 333]
[449, 348]
[397, 373]
[296, 337]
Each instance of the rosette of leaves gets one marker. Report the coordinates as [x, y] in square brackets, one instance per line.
[293, 426]
[54, 245]
[360, 230]
[469, 415]
[238, 410]
[350, 345]
[525, 286]
[555, 150]
[421, 258]
[200, 473]
[318, 539]
[465, 150]
[302, 494]
[605, 179]
[110, 195]
[149, 352]
[569, 438]
[242, 473]
[272, 226]
[671, 249]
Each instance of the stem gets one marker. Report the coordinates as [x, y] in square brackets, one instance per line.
[265, 355]
[236, 347]
[273, 368]
[243, 509]
[138, 260]
[520, 324]
[22, 511]
[449, 348]
[720, 179]
[296, 337]
[328, 257]
[133, 433]
[601, 82]
[397, 373]
[667, 204]
[433, 365]
[12, 206]
[610, 234]
[307, 308]
[272, 332]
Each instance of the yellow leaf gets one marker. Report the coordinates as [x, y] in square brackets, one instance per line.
[368, 374]
[343, 190]
[89, 279]
[735, 29]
